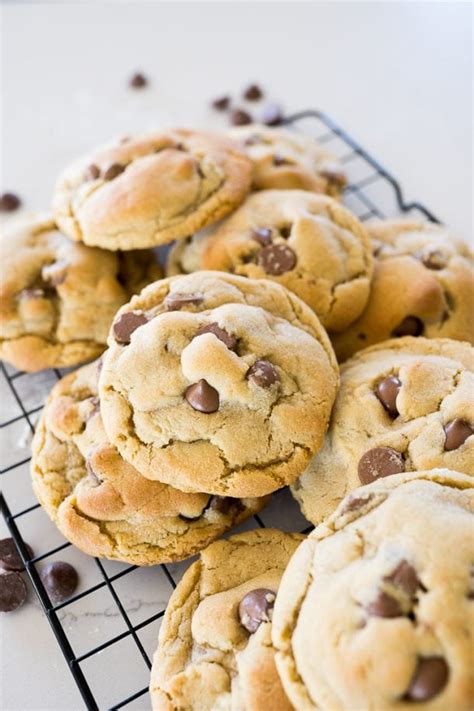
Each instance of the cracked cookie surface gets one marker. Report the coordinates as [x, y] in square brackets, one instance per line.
[58, 298]
[102, 504]
[288, 160]
[376, 607]
[403, 405]
[214, 646]
[423, 285]
[217, 383]
[149, 189]
[308, 243]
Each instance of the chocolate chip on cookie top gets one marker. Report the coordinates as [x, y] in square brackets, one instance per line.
[387, 391]
[256, 607]
[380, 462]
[457, 431]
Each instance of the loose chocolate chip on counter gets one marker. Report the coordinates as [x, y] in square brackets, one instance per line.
[387, 391]
[263, 373]
[430, 678]
[9, 556]
[272, 115]
[32, 294]
[277, 259]
[138, 81]
[225, 504]
[434, 259]
[410, 326]
[262, 235]
[9, 202]
[55, 274]
[239, 117]
[227, 338]
[126, 324]
[278, 159]
[175, 301]
[384, 605]
[355, 502]
[113, 171]
[256, 607]
[60, 580]
[12, 590]
[222, 103]
[457, 431]
[203, 397]
[92, 172]
[253, 93]
[380, 462]
[404, 577]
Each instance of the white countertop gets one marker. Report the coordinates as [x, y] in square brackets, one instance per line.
[395, 75]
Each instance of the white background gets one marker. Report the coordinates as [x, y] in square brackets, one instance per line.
[397, 75]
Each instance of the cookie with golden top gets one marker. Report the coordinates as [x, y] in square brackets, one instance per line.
[309, 243]
[214, 646]
[376, 607]
[58, 298]
[149, 189]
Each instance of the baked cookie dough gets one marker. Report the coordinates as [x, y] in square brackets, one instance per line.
[58, 298]
[152, 188]
[214, 647]
[102, 504]
[403, 405]
[376, 607]
[308, 243]
[288, 160]
[423, 285]
[217, 383]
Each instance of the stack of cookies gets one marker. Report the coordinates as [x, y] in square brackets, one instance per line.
[219, 384]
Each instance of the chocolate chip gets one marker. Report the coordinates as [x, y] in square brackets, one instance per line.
[175, 301]
[256, 607]
[457, 431]
[272, 115]
[410, 326]
[334, 176]
[126, 324]
[239, 117]
[285, 231]
[387, 391]
[404, 577]
[384, 605]
[55, 274]
[113, 171]
[9, 202]
[9, 556]
[278, 159]
[202, 397]
[12, 590]
[430, 678]
[253, 93]
[226, 338]
[92, 172]
[434, 259]
[262, 235]
[32, 294]
[277, 259]
[222, 103]
[138, 81]
[380, 462]
[263, 373]
[470, 592]
[60, 580]
[355, 502]
[225, 504]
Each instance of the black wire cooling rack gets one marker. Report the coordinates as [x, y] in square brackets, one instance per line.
[372, 192]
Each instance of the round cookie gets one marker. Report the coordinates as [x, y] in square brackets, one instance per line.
[150, 189]
[423, 285]
[214, 646]
[376, 607]
[288, 160]
[58, 298]
[217, 383]
[308, 243]
[102, 504]
[403, 405]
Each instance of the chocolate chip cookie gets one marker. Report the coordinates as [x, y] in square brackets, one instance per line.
[214, 647]
[308, 243]
[423, 285]
[403, 405]
[149, 189]
[58, 298]
[102, 504]
[376, 607]
[217, 383]
[288, 160]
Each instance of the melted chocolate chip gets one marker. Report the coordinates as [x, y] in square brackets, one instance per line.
[272, 115]
[410, 326]
[256, 607]
[457, 431]
[387, 391]
[404, 577]
[262, 235]
[55, 274]
[12, 590]
[9, 202]
[113, 171]
[253, 93]
[334, 176]
[202, 397]
[285, 231]
[222, 103]
[227, 338]
[355, 502]
[380, 462]
[263, 373]
[126, 324]
[239, 117]
[225, 504]
[430, 678]
[9, 556]
[92, 172]
[60, 580]
[434, 259]
[138, 81]
[278, 159]
[384, 605]
[176, 301]
[277, 259]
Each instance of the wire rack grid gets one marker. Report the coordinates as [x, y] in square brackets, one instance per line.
[372, 192]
